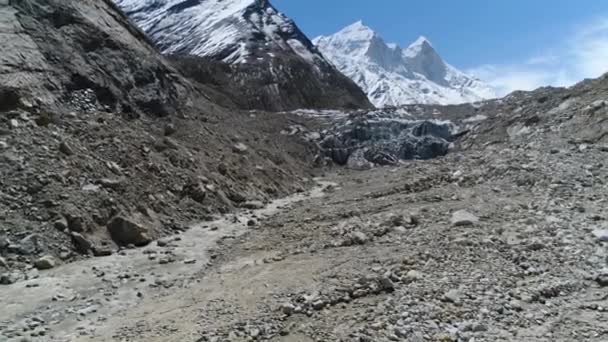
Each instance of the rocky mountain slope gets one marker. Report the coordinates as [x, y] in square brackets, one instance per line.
[270, 61]
[104, 145]
[393, 76]
[502, 239]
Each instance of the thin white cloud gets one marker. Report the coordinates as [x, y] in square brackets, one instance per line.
[543, 59]
[583, 55]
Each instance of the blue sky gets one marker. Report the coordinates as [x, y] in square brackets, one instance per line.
[514, 44]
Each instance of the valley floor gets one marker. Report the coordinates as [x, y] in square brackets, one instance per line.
[376, 255]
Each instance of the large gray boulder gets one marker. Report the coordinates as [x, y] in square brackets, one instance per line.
[125, 231]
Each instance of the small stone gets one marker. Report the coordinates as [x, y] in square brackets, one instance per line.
[164, 242]
[65, 255]
[412, 219]
[28, 245]
[400, 230]
[45, 263]
[222, 168]
[82, 244]
[7, 279]
[386, 284]
[536, 246]
[76, 223]
[287, 308]
[170, 143]
[13, 123]
[412, 276]
[170, 129]
[318, 305]
[196, 191]
[109, 183]
[189, 261]
[472, 327]
[395, 221]
[102, 251]
[359, 238]
[601, 234]
[452, 296]
[66, 148]
[602, 280]
[251, 223]
[253, 205]
[3, 262]
[463, 218]
[240, 148]
[166, 260]
[255, 333]
[61, 224]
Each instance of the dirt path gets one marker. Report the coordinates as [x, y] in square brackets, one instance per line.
[76, 300]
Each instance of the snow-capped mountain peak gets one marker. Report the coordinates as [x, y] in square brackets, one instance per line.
[358, 30]
[393, 76]
[354, 39]
[421, 43]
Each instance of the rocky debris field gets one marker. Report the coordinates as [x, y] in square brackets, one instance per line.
[93, 183]
[502, 239]
[105, 147]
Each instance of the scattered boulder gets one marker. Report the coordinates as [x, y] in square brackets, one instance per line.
[125, 232]
[196, 191]
[7, 279]
[45, 263]
[318, 304]
[3, 262]
[101, 251]
[412, 276]
[164, 242]
[66, 148]
[240, 148]
[170, 143]
[76, 223]
[82, 244]
[452, 296]
[359, 238]
[601, 234]
[288, 308]
[253, 205]
[29, 245]
[236, 196]
[170, 129]
[463, 218]
[13, 123]
[61, 224]
[110, 183]
[602, 279]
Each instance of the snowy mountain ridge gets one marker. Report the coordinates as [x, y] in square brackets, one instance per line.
[232, 31]
[271, 63]
[392, 76]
